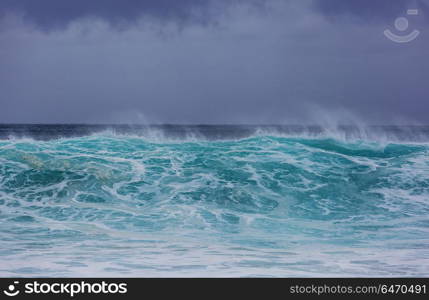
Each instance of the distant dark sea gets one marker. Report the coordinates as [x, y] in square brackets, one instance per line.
[176, 200]
[215, 132]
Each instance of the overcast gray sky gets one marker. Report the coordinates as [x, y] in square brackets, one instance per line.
[207, 61]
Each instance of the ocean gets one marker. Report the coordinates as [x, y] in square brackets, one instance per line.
[213, 201]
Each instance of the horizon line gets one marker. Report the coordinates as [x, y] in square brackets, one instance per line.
[212, 124]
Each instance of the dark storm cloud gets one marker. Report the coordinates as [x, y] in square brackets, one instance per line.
[57, 14]
[295, 62]
[369, 10]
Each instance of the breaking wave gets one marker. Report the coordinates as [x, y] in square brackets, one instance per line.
[263, 204]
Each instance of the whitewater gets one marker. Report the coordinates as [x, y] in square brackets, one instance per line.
[257, 204]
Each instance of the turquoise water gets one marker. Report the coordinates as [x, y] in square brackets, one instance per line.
[117, 205]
